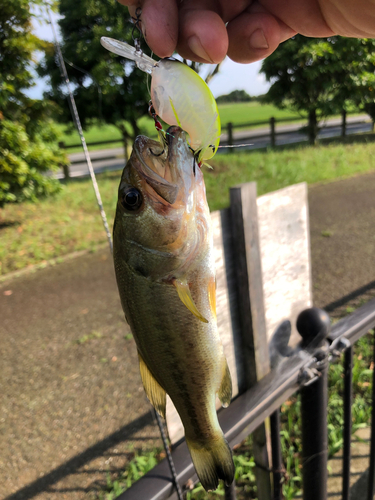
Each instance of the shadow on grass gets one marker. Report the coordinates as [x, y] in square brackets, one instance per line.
[8, 223]
[349, 297]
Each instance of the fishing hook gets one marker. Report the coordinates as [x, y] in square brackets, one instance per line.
[137, 21]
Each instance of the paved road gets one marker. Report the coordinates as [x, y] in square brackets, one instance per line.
[113, 159]
[72, 405]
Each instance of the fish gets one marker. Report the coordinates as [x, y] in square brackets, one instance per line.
[179, 96]
[164, 266]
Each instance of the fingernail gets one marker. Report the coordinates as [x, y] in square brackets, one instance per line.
[195, 46]
[258, 40]
[143, 29]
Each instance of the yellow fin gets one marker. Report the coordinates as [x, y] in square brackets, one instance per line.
[212, 461]
[175, 113]
[155, 393]
[186, 298]
[225, 391]
[212, 295]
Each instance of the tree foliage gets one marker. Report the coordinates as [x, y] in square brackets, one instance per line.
[105, 86]
[321, 76]
[28, 143]
[235, 96]
[23, 161]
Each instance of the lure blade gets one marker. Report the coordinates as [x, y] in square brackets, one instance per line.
[143, 62]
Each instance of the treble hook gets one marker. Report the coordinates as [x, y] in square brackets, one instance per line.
[152, 113]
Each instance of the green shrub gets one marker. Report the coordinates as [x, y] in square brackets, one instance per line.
[24, 160]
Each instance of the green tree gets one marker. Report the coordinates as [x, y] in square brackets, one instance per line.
[28, 144]
[358, 85]
[105, 86]
[235, 96]
[321, 76]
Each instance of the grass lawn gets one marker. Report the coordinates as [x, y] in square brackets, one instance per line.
[247, 112]
[31, 233]
[234, 112]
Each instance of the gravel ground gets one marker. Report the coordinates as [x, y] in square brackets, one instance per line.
[72, 403]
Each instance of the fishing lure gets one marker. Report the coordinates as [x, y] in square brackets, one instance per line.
[179, 97]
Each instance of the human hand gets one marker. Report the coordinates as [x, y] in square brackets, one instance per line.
[245, 30]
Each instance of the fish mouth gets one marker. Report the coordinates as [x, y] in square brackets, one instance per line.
[161, 165]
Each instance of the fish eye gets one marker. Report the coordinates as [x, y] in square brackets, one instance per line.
[131, 199]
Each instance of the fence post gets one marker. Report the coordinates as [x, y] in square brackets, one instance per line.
[64, 166]
[272, 131]
[248, 266]
[230, 136]
[343, 123]
[313, 325]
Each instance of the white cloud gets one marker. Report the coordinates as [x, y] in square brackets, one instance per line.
[234, 76]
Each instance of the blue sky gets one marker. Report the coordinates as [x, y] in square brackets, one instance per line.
[232, 76]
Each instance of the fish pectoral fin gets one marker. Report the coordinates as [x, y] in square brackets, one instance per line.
[155, 393]
[225, 390]
[183, 291]
[212, 295]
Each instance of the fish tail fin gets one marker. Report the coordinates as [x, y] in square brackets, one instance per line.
[212, 461]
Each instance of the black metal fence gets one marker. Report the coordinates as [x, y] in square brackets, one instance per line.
[304, 369]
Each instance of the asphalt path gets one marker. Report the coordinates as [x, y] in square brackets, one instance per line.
[72, 405]
[113, 159]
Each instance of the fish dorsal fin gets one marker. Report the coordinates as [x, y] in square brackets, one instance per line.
[225, 390]
[183, 291]
[155, 393]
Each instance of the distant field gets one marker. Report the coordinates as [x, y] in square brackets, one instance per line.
[247, 112]
[236, 113]
[31, 233]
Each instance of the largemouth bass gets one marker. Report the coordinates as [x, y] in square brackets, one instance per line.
[163, 254]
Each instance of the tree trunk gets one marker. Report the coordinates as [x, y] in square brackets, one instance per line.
[312, 127]
[125, 137]
[125, 143]
[135, 128]
[370, 110]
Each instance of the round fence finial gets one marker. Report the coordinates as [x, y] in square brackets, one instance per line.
[313, 325]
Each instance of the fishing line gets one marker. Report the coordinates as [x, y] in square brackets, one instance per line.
[100, 94]
[236, 145]
[77, 122]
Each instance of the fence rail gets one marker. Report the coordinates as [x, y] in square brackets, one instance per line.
[302, 370]
[114, 160]
[271, 122]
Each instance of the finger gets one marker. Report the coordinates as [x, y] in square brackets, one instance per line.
[255, 35]
[202, 36]
[159, 24]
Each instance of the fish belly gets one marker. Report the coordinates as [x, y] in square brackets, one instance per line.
[184, 354]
